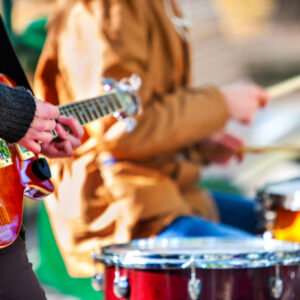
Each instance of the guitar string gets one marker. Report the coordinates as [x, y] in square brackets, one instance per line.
[83, 110]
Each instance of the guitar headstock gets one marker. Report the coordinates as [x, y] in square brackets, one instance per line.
[126, 91]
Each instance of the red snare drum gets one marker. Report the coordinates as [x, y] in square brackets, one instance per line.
[200, 268]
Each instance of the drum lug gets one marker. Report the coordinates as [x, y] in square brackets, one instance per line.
[121, 287]
[275, 286]
[98, 282]
[121, 284]
[194, 288]
[194, 284]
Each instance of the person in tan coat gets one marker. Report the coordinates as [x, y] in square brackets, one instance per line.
[123, 185]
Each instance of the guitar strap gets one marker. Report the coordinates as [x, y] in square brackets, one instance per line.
[9, 62]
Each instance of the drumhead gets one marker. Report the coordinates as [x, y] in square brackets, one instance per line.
[284, 194]
[202, 252]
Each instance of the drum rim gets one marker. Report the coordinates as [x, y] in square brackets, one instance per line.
[138, 259]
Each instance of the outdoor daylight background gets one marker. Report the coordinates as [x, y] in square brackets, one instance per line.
[232, 41]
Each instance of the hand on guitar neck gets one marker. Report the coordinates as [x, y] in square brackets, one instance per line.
[39, 138]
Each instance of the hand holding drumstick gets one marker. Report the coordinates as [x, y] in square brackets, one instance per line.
[220, 148]
[224, 146]
[243, 102]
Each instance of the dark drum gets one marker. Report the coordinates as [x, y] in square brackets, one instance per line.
[280, 209]
[200, 268]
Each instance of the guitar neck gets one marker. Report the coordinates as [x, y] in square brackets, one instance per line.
[86, 111]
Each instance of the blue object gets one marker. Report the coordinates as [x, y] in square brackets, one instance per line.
[238, 219]
[237, 211]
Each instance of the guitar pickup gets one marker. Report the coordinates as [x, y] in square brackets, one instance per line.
[24, 154]
[5, 155]
[5, 162]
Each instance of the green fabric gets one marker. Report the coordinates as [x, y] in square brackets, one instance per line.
[35, 34]
[52, 270]
[7, 6]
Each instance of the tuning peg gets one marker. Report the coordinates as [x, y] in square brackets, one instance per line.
[128, 121]
[108, 84]
[131, 84]
[135, 82]
[119, 115]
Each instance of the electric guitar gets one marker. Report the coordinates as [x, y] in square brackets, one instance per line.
[24, 175]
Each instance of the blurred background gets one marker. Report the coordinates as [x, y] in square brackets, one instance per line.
[232, 40]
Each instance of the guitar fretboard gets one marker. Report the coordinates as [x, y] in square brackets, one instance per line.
[86, 111]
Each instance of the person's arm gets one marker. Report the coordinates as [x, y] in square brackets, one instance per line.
[220, 148]
[17, 109]
[117, 45]
[118, 48]
[173, 122]
[28, 121]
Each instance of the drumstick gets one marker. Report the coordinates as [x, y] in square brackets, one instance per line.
[285, 148]
[223, 152]
[283, 88]
[275, 91]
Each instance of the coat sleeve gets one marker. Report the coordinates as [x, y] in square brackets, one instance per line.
[178, 120]
[116, 39]
[169, 121]
[17, 109]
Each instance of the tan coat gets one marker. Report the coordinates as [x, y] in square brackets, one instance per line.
[155, 176]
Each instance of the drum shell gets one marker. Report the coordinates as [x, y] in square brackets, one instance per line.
[217, 284]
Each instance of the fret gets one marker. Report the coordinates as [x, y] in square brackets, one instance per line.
[89, 110]
[85, 111]
[109, 102]
[65, 111]
[92, 110]
[82, 113]
[116, 101]
[104, 107]
[70, 110]
[75, 111]
[98, 109]
[107, 105]
[77, 115]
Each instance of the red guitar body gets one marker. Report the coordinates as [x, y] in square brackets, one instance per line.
[18, 180]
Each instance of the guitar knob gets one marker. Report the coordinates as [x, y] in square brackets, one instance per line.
[41, 169]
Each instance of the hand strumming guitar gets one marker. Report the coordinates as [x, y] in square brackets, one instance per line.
[39, 138]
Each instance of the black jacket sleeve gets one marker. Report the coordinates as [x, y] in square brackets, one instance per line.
[17, 109]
